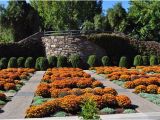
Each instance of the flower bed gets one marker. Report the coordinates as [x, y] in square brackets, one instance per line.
[11, 80]
[63, 90]
[145, 80]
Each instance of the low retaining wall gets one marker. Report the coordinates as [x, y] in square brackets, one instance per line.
[66, 45]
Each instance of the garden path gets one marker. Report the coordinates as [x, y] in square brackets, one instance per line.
[22, 100]
[142, 104]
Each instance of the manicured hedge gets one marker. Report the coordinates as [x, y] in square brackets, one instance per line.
[42, 63]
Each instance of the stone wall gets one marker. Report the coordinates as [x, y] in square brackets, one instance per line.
[66, 45]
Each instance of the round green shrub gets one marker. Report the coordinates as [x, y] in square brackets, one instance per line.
[108, 110]
[92, 60]
[52, 61]
[37, 64]
[145, 60]
[105, 61]
[29, 63]
[12, 62]
[158, 59]
[75, 60]
[61, 61]
[3, 63]
[129, 111]
[20, 62]
[153, 60]
[123, 62]
[43, 63]
[138, 60]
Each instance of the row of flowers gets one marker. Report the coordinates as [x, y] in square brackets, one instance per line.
[10, 77]
[72, 103]
[135, 78]
[69, 88]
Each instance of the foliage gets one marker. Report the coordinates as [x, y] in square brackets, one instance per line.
[6, 35]
[108, 110]
[52, 61]
[61, 61]
[29, 63]
[105, 61]
[153, 60]
[20, 62]
[43, 64]
[145, 16]
[89, 110]
[99, 23]
[21, 18]
[137, 60]
[91, 60]
[3, 63]
[123, 62]
[37, 64]
[129, 111]
[145, 60]
[66, 15]
[108, 41]
[75, 60]
[12, 63]
[87, 26]
[116, 17]
[60, 114]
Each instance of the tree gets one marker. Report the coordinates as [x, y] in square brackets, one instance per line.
[145, 16]
[66, 15]
[98, 22]
[21, 18]
[116, 17]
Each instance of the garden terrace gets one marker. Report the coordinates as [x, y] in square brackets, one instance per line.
[142, 80]
[11, 80]
[63, 90]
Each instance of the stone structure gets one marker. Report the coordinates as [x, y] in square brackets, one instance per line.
[66, 45]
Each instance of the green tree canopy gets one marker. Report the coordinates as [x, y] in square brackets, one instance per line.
[116, 17]
[21, 18]
[145, 16]
[65, 15]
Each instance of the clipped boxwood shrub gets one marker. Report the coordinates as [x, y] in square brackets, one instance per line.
[43, 63]
[52, 61]
[61, 61]
[20, 62]
[138, 60]
[12, 62]
[158, 59]
[75, 60]
[145, 60]
[92, 60]
[37, 64]
[29, 63]
[105, 61]
[3, 63]
[123, 62]
[153, 60]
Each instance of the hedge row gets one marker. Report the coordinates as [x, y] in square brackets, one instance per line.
[42, 63]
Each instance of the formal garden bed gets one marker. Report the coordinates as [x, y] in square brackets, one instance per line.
[11, 80]
[63, 91]
[142, 80]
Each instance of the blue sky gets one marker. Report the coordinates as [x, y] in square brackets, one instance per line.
[106, 3]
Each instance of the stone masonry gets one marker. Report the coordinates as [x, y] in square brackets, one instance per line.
[67, 45]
